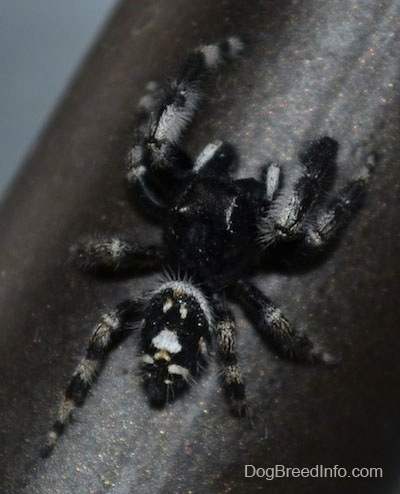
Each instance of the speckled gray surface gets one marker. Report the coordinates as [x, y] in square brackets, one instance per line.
[313, 68]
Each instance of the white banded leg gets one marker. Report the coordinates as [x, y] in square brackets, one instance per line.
[271, 178]
[230, 370]
[104, 335]
[276, 328]
[146, 108]
[181, 101]
[156, 163]
[285, 219]
[115, 255]
[217, 158]
[331, 219]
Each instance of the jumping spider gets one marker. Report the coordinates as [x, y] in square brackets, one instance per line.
[216, 230]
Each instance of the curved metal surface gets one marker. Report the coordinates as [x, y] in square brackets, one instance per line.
[312, 68]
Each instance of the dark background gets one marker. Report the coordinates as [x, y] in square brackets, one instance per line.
[312, 68]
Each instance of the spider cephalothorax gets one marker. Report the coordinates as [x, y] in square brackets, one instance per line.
[216, 230]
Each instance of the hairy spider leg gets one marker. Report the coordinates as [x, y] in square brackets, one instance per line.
[230, 370]
[276, 329]
[181, 101]
[115, 254]
[271, 178]
[292, 205]
[217, 158]
[146, 107]
[330, 220]
[157, 166]
[111, 327]
[136, 156]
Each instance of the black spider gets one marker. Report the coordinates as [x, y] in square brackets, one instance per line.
[216, 230]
